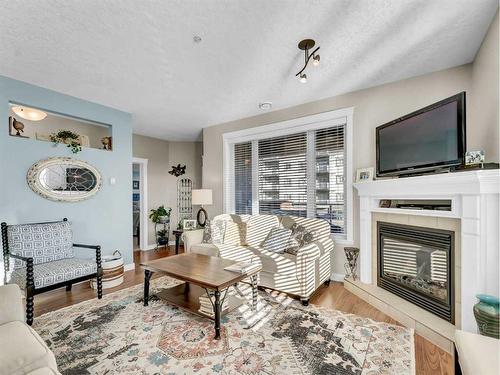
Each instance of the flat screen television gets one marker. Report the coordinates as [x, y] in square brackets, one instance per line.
[423, 141]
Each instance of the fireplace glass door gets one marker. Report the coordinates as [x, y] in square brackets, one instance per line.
[414, 263]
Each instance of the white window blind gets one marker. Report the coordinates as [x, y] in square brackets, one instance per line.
[283, 175]
[301, 174]
[243, 178]
[330, 201]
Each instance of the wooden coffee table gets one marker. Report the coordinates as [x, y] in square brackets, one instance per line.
[201, 274]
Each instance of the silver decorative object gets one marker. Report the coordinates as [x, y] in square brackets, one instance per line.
[351, 254]
[184, 199]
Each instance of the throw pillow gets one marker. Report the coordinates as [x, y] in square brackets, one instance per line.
[308, 237]
[300, 236]
[214, 232]
[277, 240]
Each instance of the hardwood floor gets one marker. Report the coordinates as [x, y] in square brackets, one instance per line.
[430, 359]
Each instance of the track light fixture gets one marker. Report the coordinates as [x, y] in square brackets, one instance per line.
[306, 45]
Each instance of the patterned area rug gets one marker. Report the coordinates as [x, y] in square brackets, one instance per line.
[118, 335]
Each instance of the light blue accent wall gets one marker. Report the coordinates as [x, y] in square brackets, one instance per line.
[106, 218]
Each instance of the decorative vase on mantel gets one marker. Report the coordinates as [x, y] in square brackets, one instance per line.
[487, 315]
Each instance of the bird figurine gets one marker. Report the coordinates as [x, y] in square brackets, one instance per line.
[18, 126]
[177, 170]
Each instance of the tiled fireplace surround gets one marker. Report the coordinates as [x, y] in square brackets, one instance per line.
[474, 217]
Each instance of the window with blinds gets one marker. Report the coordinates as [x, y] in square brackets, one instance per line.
[282, 175]
[243, 178]
[330, 174]
[300, 174]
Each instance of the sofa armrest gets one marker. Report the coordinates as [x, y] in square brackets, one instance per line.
[315, 249]
[308, 252]
[192, 237]
[476, 353]
[11, 304]
[98, 259]
[83, 246]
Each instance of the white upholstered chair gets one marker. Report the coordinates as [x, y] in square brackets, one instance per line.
[23, 350]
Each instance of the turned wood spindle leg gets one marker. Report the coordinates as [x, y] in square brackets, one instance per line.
[30, 291]
[99, 272]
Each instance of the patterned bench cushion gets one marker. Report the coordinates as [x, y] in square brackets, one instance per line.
[44, 242]
[55, 272]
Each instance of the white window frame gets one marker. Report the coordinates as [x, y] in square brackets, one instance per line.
[302, 124]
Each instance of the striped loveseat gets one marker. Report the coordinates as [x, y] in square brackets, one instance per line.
[298, 274]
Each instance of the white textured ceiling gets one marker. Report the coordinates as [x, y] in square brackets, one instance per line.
[139, 56]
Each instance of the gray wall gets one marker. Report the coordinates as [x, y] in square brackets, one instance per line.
[375, 106]
[105, 218]
[162, 187]
[483, 126]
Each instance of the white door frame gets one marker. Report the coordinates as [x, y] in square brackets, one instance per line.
[143, 190]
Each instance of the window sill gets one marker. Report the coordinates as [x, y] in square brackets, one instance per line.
[342, 241]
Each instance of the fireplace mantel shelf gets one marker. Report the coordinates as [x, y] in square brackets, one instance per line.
[437, 185]
[475, 200]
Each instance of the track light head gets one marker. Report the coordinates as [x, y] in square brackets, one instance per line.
[316, 59]
[303, 78]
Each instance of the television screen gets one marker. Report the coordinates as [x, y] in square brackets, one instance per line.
[432, 136]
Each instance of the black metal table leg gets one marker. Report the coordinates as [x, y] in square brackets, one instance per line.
[177, 243]
[217, 314]
[147, 277]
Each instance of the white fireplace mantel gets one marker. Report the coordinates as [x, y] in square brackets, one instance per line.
[475, 202]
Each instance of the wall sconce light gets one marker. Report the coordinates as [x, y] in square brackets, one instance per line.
[305, 45]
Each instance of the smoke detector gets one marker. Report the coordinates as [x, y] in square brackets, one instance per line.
[266, 106]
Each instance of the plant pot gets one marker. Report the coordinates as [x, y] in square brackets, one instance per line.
[487, 315]
[163, 219]
[162, 241]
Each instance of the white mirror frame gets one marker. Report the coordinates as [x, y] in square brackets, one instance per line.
[33, 179]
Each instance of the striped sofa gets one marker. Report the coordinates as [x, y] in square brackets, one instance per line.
[299, 274]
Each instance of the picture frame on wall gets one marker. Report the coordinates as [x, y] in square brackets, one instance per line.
[364, 174]
[189, 224]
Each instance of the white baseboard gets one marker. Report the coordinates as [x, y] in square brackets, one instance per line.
[337, 277]
[129, 267]
[150, 247]
[153, 246]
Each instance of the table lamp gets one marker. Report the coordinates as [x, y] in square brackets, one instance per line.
[202, 197]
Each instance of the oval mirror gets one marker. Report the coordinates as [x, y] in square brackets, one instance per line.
[64, 179]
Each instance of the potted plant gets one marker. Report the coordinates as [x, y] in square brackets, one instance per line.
[162, 237]
[68, 137]
[161, 215]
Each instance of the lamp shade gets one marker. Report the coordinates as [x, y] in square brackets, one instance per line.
[202, 196]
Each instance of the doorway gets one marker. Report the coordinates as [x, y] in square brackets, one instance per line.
[139, 204]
